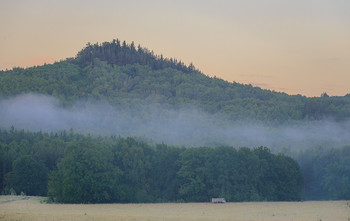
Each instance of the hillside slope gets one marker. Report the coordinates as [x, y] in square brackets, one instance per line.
[122, 74]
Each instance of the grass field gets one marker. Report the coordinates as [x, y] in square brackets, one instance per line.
[31, 208]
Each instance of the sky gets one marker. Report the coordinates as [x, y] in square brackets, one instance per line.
[296, 47]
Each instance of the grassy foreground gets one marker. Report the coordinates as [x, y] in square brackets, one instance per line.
[31, 208]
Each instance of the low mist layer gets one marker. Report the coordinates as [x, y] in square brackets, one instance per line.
[185, 127]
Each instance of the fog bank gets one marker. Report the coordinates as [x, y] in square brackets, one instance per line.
[185, 127]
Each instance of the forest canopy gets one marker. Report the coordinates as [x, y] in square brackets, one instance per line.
[115, 169]
[73, 168]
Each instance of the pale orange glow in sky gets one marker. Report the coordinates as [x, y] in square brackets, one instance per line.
[297, 47]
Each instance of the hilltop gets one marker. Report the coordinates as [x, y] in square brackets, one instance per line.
[123, 74]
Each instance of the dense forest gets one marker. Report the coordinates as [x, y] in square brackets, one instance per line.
[326, 172]
[112, 167]
[73, 168]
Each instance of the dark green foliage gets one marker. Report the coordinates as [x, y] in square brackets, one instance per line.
[86, 174]
[28, 176]
[326, 172]
[327, 107]
[124, 170]
[289, 180]
[193, 174]
[115, 53]
[238, 175]
[134, 159]
[163, 176]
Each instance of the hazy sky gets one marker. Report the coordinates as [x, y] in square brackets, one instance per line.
[294, 46]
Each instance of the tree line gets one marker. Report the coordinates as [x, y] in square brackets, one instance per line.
[122, 54]
[74, 168]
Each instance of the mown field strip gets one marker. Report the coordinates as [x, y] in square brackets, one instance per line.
[31, 209]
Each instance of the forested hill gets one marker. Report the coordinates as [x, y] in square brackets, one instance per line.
[120, 73]
[114, 89]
